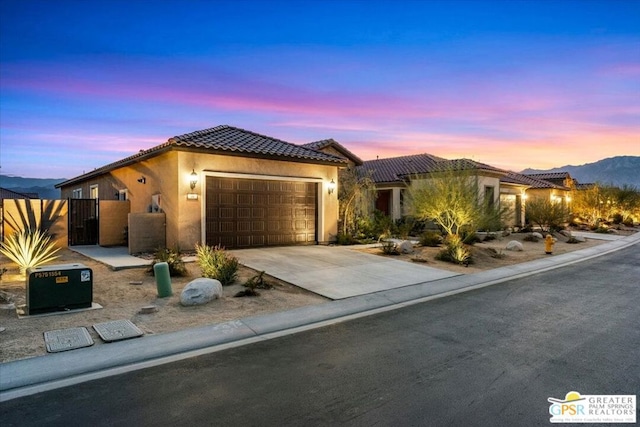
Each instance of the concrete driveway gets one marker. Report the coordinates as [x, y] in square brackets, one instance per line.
[337, 272]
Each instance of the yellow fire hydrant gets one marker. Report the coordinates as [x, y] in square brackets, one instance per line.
[548, 244]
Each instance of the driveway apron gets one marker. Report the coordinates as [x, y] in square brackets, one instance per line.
[337, 272]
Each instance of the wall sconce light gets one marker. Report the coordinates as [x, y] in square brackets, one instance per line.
[142, 180]
[194, 179]
[331, 186]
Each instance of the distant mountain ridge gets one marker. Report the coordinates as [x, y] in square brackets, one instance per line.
[616, 171]
[44, 187]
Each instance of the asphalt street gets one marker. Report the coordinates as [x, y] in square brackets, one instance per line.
[489, 357]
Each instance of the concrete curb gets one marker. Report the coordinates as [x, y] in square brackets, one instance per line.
[28, 376]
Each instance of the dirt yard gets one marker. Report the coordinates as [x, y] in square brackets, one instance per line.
[122, 297]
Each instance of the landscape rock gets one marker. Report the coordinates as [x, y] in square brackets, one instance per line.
[579, 238]
[566, 233]
[538, 235]
[406, 247]
[200, 291]
[514, 245]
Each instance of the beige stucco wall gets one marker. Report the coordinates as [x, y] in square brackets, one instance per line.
[146, 232]
[167, 176]
[191, 211]
[112, 220]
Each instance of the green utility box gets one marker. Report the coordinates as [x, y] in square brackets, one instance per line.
[59, 288]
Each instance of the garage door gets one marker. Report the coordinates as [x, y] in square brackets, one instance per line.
[244, 213]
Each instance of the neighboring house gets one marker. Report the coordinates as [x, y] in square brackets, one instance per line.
[225, 186]
[555, 187]
[394, 176]
[562, 179]
[5, 193]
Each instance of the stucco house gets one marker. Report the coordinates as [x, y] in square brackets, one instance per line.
[394, 176]
[222, 186]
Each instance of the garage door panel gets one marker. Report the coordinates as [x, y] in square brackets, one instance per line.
[249, 213]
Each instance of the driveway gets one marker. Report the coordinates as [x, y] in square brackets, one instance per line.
[337, 272]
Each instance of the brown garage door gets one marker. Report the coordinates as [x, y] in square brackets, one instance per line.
[244, 213]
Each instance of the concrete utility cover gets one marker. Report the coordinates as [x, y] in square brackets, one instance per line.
[117, 330]
[67, 339]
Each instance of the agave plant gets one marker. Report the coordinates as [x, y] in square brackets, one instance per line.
[29, 248]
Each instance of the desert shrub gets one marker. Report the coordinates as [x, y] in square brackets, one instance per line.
[345, 239]
[29, 248]
[430, 239]
[390, 248]
[601, 229]
[256, 282]
[617, 218]
[493, 253]
[172, 258]
[628, 222]
[469, 237]
[454, 251]
[531, 238]
[404, 226]
[217, 263]
[383, 226]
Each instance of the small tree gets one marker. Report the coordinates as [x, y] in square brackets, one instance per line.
[450, 199]
[546, 214]
[356, 194]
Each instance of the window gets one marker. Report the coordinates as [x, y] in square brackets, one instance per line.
[77, 193]
[93, 191]
[122, 194]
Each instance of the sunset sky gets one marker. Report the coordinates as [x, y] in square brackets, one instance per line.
[515, 84]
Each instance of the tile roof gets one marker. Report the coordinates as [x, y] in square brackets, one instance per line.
[395, 168]
[518, 178]
[319, 145]
[223, 139]
[550, 175]
[5, 193]
[465, 164]
[236, 140]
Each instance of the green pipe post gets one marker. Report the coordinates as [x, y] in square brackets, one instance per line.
[163, 279]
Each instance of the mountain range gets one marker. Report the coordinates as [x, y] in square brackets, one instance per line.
[616, 171]
[44, 187]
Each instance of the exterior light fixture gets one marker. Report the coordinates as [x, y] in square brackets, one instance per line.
[194, 179]
[142, 180]
[331, 186]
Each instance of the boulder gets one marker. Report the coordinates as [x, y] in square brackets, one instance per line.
[201, 291]
[406, 247]
[514, 245]
[538, 235]
[579, 238]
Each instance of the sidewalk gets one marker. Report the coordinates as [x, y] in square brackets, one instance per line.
[28, 376]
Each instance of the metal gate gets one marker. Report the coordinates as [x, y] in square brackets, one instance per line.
[83, 222]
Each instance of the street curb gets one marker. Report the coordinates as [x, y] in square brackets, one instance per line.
[27, 376]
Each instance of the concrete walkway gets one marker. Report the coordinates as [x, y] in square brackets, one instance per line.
[37, 374]
[337, 272]
[115, 257]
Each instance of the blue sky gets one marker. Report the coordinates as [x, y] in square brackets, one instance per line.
[513, 84]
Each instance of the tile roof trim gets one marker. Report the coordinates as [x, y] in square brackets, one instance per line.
[178, 142]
